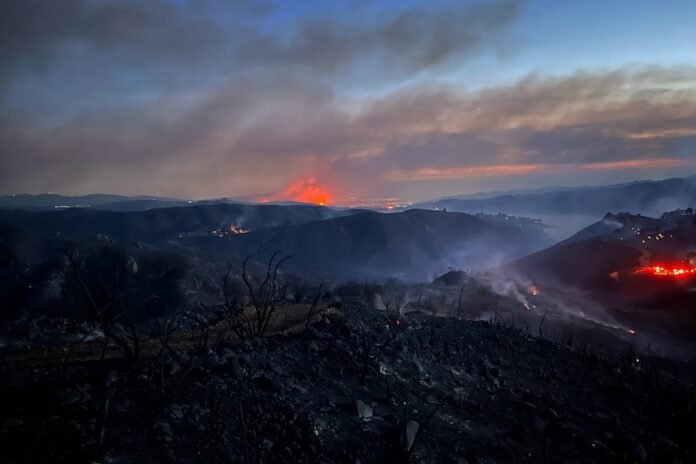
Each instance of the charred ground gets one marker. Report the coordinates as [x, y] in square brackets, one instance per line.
[357, 385]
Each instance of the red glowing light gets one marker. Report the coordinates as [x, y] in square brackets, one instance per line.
[665, 270]
[308, 190]
[235, 229]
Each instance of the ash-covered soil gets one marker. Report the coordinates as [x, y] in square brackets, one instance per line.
[365, 386]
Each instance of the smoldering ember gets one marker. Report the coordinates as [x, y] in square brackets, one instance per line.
[264, 231]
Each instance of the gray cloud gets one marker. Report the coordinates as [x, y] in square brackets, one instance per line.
[257, 134]
[137, 36]
[414, 39]
[34, 34]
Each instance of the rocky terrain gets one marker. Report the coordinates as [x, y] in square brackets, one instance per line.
[359, 385]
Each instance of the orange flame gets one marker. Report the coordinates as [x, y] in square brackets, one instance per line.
[235, 229]
[308, 190]
[679, 270]
[533, 290]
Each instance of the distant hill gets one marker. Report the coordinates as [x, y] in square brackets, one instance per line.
[150, 248]
[646, 197]
[140, 205]
[413, 244]
[47, 201]
[617, 243]
[613, 263]
[163, 223]
[186, 249]
[641, 229]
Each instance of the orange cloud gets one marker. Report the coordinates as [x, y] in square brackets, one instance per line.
[522, 169]
[637, 164]
[464, 172]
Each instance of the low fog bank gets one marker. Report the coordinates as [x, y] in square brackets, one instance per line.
[643, 197]
[561, 226]
[568, 209]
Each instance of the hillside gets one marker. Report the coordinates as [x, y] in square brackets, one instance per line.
[646, 197]
[640, 269]
[49, 201]
[619, 243]
[179, 254]
[163, 223]
[415, 244]
[627, 226]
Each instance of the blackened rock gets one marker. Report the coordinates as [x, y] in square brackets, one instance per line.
[410, 433]
[269, 384]
[235, 367]
[364, 410]
[632, 447]
[8, 423]
[164, 430]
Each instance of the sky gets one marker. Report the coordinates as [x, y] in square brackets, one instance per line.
[343, 101]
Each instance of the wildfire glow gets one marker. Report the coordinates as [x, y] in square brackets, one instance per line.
[679, 270]
[533, 290]
[235, 229]
[308, 190]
